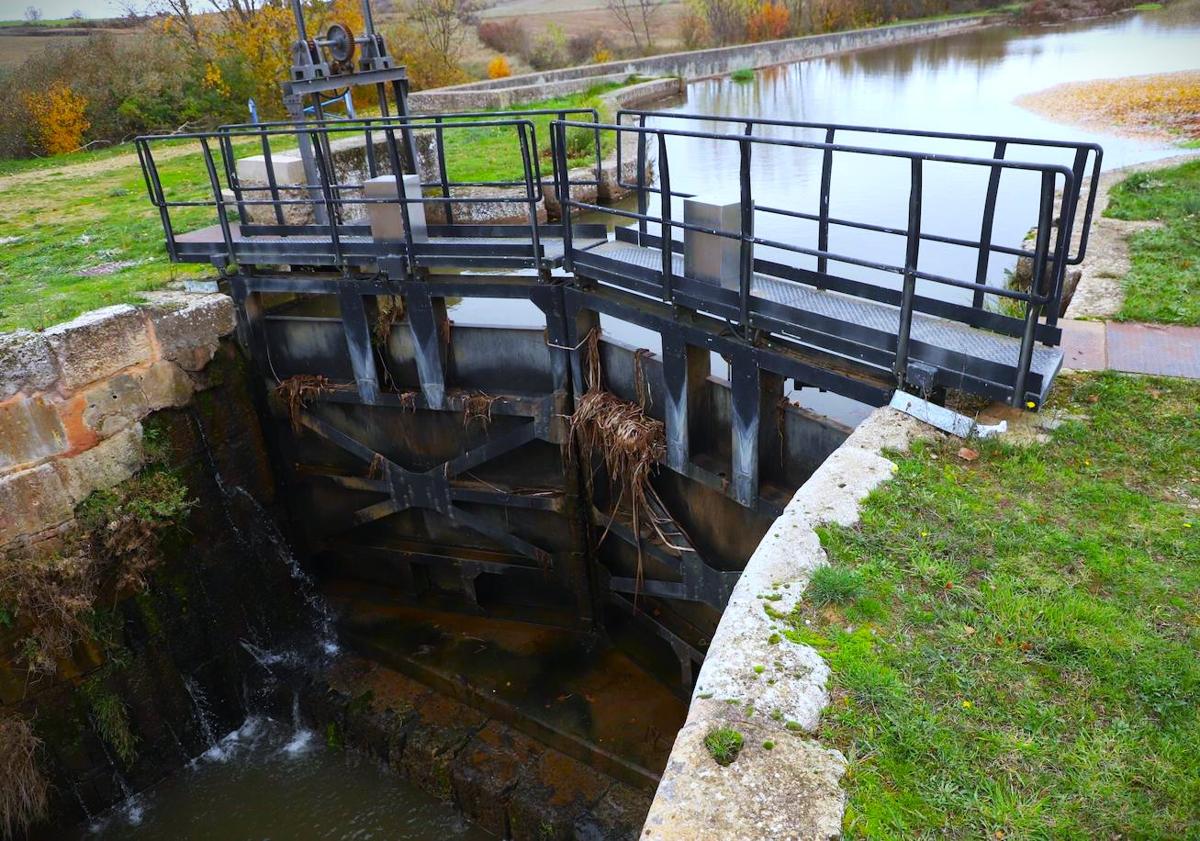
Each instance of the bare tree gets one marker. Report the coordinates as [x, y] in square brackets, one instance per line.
[33, 14]
[442, 23]
[637, 18]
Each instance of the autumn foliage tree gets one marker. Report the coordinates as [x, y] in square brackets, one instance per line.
[498, 68]
[57, 119]
[769, 22]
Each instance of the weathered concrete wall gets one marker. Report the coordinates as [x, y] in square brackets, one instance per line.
[503, 93]
[218, 576]
[792, 790]
[72, 398]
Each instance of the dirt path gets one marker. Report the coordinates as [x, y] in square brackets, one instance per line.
[86, 169]
[1100, 292]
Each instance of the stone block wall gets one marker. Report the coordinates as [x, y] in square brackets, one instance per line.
[72, 399]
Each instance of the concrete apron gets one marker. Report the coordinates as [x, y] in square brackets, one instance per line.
[791, 790]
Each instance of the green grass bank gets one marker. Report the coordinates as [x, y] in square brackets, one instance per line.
[1163, 284]
[1015, 639]
[80, 233]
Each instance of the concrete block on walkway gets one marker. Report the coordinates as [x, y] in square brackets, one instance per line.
[1159, 349]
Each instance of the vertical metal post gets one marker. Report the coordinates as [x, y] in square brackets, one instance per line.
[563, 183]
[1070, 204]
[220, 200]
[401, 194]
[911, 257]
[423, 317]
[985, 233]
[746, 398]
[271, 180]
[746, 253]
[823, 205]
[231, 175]
[643, 200]
[439, 142]
[327, 198]
[358, 342]
[1032, 308]
[154, 187]
[685, 369]
[668, 259]
[530, 195]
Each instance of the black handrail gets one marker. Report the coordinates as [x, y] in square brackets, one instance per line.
[1050, 249]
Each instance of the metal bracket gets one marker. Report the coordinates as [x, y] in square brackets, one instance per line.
[945, 419]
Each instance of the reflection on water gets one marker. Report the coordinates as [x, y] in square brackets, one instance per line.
[961, 83]
[269, 780]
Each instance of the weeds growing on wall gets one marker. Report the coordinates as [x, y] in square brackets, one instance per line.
[55, 595]
[110, 717]
[23, 788]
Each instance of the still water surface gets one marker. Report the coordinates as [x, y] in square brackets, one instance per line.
[961, 83]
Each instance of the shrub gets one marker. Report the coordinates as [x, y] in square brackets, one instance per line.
[498, 68]
[581, 48]
[504, 36]
[694, 31]
[769, 22]
[549, 50]
[51, 596]
[57, 119]
[23, 787]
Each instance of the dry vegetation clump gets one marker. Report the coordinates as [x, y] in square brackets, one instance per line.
[627, 441]
[53, 596]
[298, 391]
[477, 408]
[23, 788]
[1164, 104]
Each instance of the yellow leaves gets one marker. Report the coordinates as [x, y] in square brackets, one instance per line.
[498, 68]
[1164, 102]
[214, 80]
[57, 119]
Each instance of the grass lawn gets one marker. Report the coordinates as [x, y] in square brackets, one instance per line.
[79, 231]
[1015, 640]
[1163, 284]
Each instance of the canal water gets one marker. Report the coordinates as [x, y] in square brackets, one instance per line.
[968, 82]
[272, 780]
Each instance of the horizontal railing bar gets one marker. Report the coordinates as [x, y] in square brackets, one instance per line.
[945, 135]
[930, 157]
[831, 255]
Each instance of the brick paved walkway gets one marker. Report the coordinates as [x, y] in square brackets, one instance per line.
[1167, 350]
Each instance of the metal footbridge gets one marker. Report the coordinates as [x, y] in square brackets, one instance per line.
[860, 324]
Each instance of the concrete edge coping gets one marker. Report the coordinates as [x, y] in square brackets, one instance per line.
[635, 66]
[783, 784]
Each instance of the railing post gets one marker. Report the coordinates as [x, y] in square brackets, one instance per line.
[746, 253]
[401, 194]
[1070, 203]
[912, 254]
[1036, 296]
[664, 180]
[327, 197]
[215, 182]
[530, 195]
[231, 175]
[562, 181]
[985, 232]
[271, 180]
[439, 139]
[823, 205]
[154, 187]
[643, 200]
